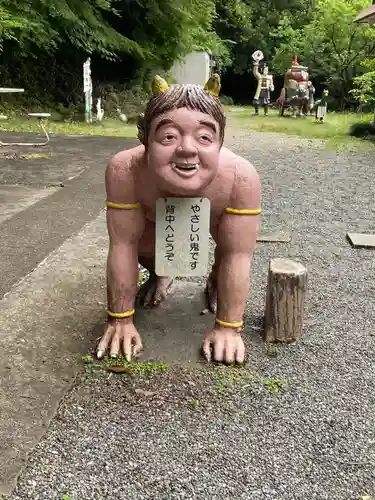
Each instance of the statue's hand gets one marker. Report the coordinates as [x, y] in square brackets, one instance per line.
[224, 344]
[120, 335]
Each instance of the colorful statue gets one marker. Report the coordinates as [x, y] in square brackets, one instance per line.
[310, 105]
[320, 106]
[265, 86]
[182, 155]
[295, 93]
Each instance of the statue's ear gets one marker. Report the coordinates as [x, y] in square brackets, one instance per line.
[141, 127]
[159, 85]
[213, 84]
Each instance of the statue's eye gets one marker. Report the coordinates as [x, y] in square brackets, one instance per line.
[169, 137]
[206, 138]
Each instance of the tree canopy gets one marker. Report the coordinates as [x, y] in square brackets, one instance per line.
[136, 37]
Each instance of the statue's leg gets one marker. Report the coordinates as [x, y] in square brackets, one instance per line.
[156, 288]
[256, 107]
[265, 107]
[211, 285]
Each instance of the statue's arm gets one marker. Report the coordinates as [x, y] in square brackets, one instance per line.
[256, 73]
[125, 227]
[236, 243]
[272, 87]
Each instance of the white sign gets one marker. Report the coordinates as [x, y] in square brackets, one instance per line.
[87, 84]
[182, 236]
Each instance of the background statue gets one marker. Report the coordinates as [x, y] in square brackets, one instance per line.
[320, 106]
[310, 105]
[265, 86]
[295, 93]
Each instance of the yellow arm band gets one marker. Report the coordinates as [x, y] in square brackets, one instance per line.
[121, 315]
[243, 211]
[123, 206]
[229, 325]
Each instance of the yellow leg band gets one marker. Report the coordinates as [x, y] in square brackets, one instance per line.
[242, 211]
[123, 206]
[229, 325]
[121, 315]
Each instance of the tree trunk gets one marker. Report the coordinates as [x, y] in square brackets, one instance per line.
[287, 284]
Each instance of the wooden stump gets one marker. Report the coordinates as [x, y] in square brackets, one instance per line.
[287, 283]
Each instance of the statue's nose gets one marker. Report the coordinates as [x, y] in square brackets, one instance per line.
[187, 148]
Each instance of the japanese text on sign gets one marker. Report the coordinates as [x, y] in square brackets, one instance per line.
[182, 231]
[194, 235]
[169, 232]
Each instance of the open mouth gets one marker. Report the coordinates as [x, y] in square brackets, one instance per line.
[186, 167]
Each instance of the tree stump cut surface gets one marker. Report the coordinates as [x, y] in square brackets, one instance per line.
[287, 284]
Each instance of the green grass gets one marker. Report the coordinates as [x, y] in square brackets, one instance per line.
[227, 377]
[135, 368]
[334, 130]
[108, 127]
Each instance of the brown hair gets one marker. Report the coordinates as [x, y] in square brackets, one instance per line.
[189, 96]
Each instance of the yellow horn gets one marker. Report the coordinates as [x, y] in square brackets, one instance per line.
[159, 85]
[213, 85]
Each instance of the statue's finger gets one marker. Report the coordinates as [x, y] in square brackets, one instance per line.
[161, 293]
[104, 342]
[115, 345]
[211, 298]
[158, 297]
[230, 352]
[240, 352]
[219, 348]
[141, 294]
[206, 349]
[127, 347]
[137, 346]
[149, 295]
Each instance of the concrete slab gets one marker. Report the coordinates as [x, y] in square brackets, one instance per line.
[62, 159]
[174, 332]
[275, 237]
[47, 322]
[51, 318]
[361, 240]
[32, 234]
[14, 199]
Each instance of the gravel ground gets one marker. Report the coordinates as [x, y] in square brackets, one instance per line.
[224, 434]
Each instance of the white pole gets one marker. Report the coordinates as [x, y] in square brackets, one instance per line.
[87, 89]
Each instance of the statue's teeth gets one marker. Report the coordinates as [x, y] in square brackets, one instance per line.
[187, 166]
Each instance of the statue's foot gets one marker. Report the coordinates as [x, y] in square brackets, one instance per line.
[211, 294]
[255, 114]
[154, 291]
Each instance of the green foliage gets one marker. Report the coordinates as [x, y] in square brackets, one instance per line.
[244, 26]
[49, 23]
[131, 40]
[233, 24]
[166, 30]
[331, 45]
[364, 89]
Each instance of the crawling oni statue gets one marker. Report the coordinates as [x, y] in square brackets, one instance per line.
[182, 155]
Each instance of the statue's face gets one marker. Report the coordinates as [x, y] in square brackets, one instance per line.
[265, 71]
[183, 151]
